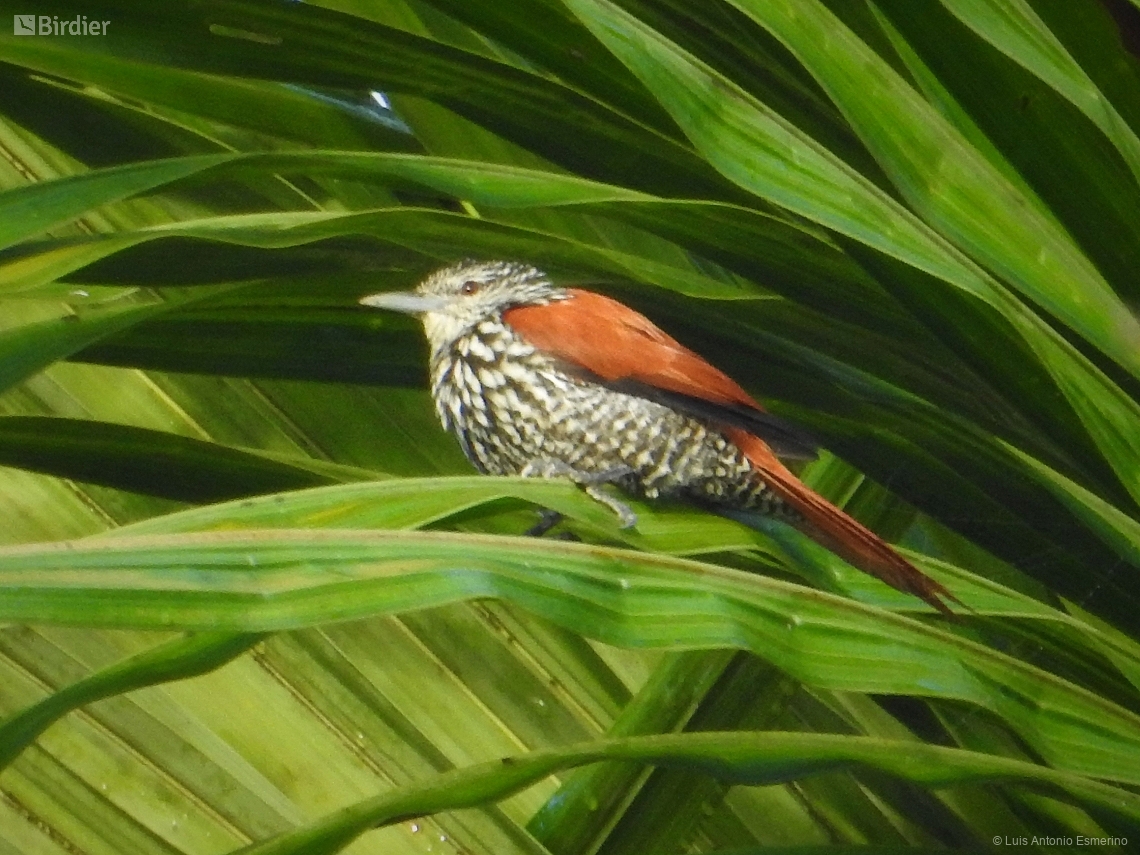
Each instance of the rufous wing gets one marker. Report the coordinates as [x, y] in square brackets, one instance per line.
[616, 343]
[626, 351]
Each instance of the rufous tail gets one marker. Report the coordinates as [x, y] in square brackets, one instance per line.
[832, 528]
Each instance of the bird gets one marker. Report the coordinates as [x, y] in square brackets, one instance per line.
[535, 379]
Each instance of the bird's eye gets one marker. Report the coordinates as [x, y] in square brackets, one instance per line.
[470, 287]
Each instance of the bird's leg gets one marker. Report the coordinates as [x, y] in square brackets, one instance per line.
[547, 519]
[591, 482]
[626, 517]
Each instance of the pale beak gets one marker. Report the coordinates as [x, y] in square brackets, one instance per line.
[408, 302]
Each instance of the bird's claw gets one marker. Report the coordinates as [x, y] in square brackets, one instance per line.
[626, 517]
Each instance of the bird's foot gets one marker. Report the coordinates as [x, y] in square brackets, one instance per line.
[547, 519]
[626, 517]
[591, 482]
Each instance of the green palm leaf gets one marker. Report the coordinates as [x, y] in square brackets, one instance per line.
[253, 597]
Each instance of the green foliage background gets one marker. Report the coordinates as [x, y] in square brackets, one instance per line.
[252, 595]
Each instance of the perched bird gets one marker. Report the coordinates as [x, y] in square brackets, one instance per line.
[539, 380]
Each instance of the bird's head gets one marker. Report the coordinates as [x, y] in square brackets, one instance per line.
[454, 299]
